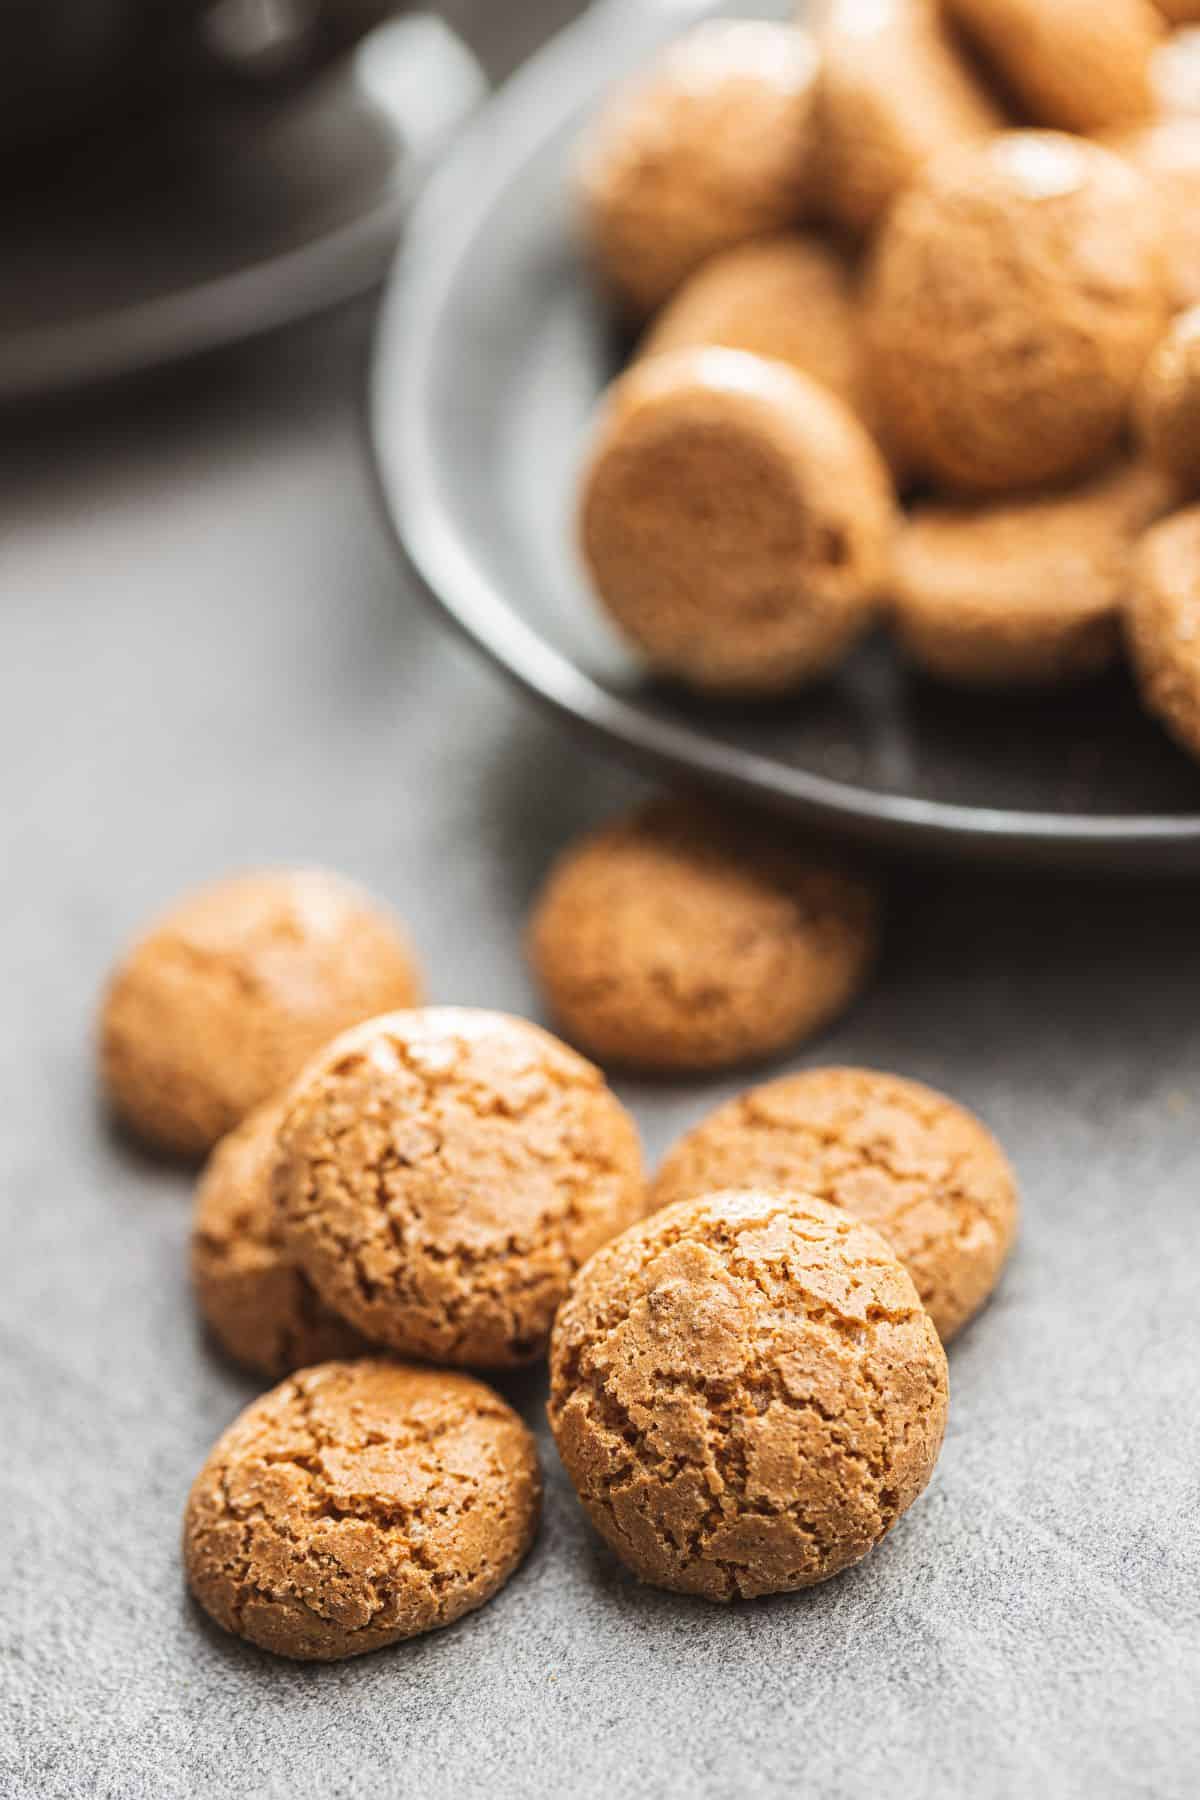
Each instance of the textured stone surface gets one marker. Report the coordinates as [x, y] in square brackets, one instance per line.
[218, 663]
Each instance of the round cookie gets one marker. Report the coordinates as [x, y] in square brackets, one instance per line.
[1074, 64]
[899, 1156]
[257, 1303]
[680, 938]
[1167, 154]
[1168, 404]
[1162, 624]
[444, 1173]
[708, 147]
[219, 1004]
[736, 520]
[357, 1504]
[1025, 592]
[893, 91]
[1016, 293]
[747, 1393]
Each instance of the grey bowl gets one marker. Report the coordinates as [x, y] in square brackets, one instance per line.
[491, 353]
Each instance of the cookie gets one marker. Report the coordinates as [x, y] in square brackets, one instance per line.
[894, 90]
[1016, 293]
[1168, 404]
[357, 1504]
[1026, 592]
[708, 147]
[1179, 12]
[682, 938]
[226, 995]
[736, 520]
[1162, 624]
[747, 1393]
[444, 1173]
[1167, 154]
[259, 1306]
[899, 1156]
[1073, 64]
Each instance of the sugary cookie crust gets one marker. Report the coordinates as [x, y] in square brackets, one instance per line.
[445, 1172]
[747, 1393]
[259, 1305]
[903, 1158]
[358, 1504]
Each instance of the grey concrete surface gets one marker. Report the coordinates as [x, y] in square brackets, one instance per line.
[207, 658]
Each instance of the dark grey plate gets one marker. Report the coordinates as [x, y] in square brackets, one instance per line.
[491, 354]
[233, 221]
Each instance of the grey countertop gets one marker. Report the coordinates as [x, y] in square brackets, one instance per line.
[208, 659]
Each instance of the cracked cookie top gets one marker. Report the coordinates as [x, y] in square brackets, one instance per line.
[221, 1002]
[684, 937]
[443, 1174]
[919, 1168]
[259, 1305]
[746, 1392]
[359, 1503]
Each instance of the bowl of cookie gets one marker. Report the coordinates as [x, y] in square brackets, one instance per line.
[803, 404]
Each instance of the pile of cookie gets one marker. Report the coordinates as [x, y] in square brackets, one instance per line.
[916, 285]
[748, 1385]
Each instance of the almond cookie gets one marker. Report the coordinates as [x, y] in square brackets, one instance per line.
[709, 146]
[444, 1173]
[1167, 154]
[261, 1309]
[747, 1393]
[1074, 64]
[736, 520]
[222, 1000]
[901, 1157]
[1168, 404]
[1016, 294]
[893, 91]
[1163, 625]
[357, 1504]
[682, 938]
[1024, 592]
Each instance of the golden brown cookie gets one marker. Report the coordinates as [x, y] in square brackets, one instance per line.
[260, 1307]
[681, 938]
[708, 147]
[747, 1393]
[1179, 12]
[226, 995]
[443, 1173]
[893, 91]
[1024, 592]
[1078, 65]
[1168, 404]
[1016, 293]
[901, 1157]
[357, 1504]
[1167, 154]
[1163, 625]
[736, 520]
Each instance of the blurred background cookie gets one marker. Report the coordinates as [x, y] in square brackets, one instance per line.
[255, 1300]
[747, 1394]
[1167, 153]
[1026, 591]
[1168, 404]
[1017, 290]
[922, 1170]
[1163, 625]
[444, 1173]
[358, 1504]
[708, 147]
[736, 520]
[894, 89]
[1073, 64]
[686, 937]
[231, 989]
